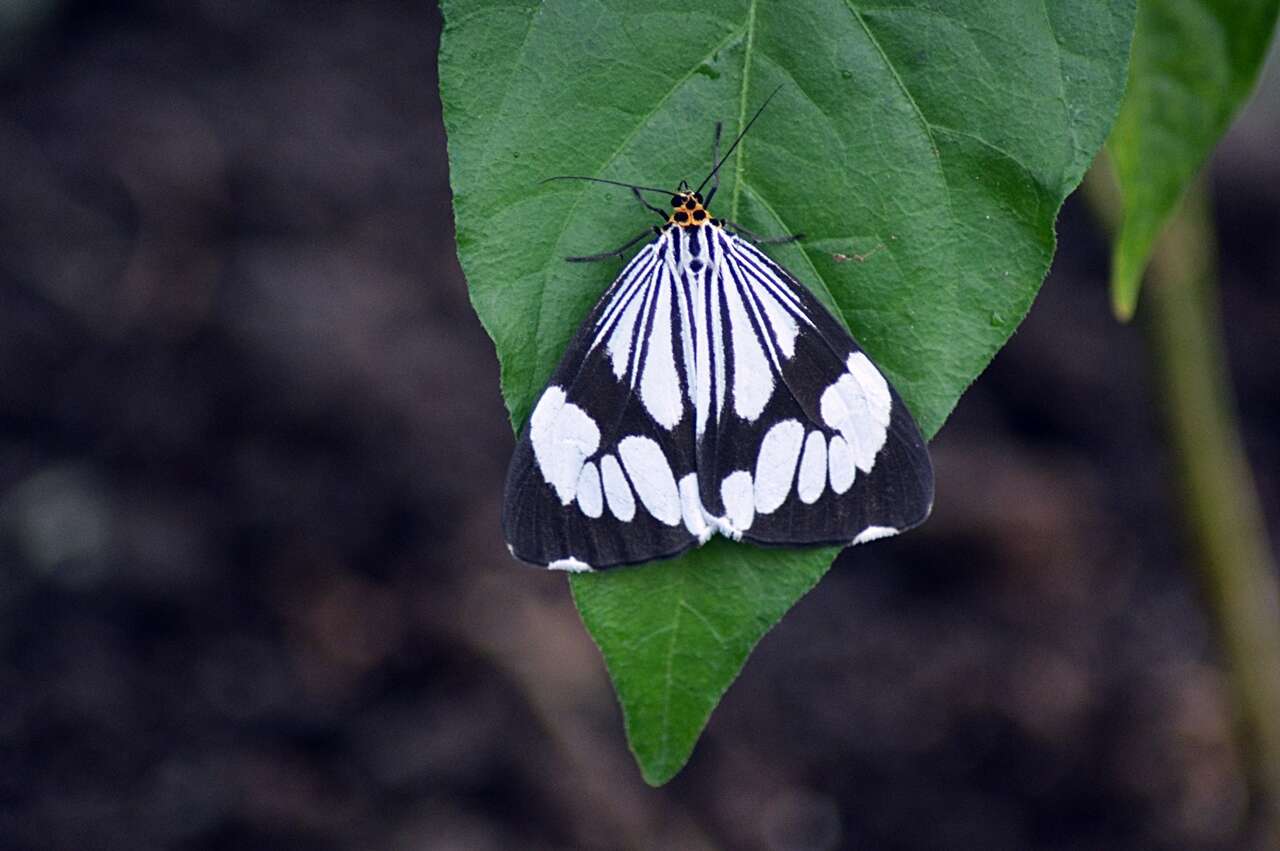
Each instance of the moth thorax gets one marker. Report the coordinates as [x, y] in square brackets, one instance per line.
[687, 211]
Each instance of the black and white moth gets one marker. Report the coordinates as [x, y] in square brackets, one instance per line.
[709, 392]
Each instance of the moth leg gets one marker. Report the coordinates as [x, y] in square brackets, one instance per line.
[763, 240]
[662, 214]
[617, 252]
[715, 158]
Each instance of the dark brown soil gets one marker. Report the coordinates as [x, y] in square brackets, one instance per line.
[252, 589]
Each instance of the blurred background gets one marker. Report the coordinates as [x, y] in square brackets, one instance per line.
[253, 592]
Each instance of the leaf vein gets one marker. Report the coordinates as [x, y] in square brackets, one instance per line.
[516, 65]
[1072, 131]
[952, 131]
[902, 86]
[667, 685]
[684, 604]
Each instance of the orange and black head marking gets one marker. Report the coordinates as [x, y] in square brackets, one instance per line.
[687, 210]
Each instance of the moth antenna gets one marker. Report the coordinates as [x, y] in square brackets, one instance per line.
[724, 158]
[610, 182]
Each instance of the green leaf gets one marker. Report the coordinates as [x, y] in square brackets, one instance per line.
[676, 633]
[924, 148]
[1194, 63]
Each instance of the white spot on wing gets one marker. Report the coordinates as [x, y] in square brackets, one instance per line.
[701, 350]
[782, 325]
[738, 495]
[570, 564]
[651, 474]
[563, 437]
[812, 480]
[618, 322]
[840, 460]
[590, 499]
[659, 384]
[857, 405]
[718, 343]
[874, 388]
[717, 340]
[686, 334]
[619, 347]
[767, 281]
[776, 464]
[873, 385]
[752, 374]
[695, 517]
[873, 533]
[616, 490]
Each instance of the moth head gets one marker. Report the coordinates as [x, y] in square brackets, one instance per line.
[687, 209]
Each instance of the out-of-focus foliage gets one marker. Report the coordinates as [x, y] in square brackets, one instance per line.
[1194, 63]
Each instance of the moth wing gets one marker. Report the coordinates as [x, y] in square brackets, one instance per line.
[603, 471]
[833, 456]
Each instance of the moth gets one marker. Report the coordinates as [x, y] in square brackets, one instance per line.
[709, 392]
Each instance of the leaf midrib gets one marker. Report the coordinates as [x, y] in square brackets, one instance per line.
[668, 677]
[750, 29]
[570, 217]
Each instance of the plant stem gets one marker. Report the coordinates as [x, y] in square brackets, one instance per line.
[1219, 502]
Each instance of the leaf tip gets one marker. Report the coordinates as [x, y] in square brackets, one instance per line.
[659, 775]
[1123, 306]
[1126, 281]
